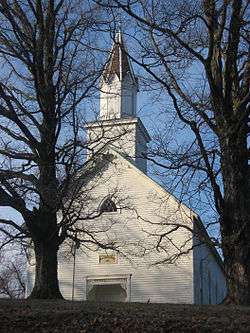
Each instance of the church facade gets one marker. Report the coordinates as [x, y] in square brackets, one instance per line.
[140, 243]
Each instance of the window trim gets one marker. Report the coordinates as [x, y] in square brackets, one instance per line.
[108, 201]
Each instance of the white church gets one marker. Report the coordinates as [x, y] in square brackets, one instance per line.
[140, 243]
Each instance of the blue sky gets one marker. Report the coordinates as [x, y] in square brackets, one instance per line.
[156, 111]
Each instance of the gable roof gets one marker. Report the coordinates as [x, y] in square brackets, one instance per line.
[109, 151]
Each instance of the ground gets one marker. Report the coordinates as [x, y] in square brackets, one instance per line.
[86, 317]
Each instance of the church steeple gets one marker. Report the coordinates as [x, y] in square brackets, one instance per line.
[118, 62]
[119, 86]
[118, 126]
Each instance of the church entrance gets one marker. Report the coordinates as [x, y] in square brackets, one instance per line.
[107, 293]
[108, 288]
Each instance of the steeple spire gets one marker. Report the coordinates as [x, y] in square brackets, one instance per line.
[118, 125]
[119, 62]
[119, 85]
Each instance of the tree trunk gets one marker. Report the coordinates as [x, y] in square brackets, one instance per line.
[235, 219]
[237, 267]
[46, 279]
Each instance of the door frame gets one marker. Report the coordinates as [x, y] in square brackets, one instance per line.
[96, 280]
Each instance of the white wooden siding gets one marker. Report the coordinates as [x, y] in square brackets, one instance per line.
[143, 202]
[209, 278]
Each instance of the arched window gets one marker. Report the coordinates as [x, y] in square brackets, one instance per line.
[108, 205]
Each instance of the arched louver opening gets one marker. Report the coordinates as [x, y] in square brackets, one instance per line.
[108, 205]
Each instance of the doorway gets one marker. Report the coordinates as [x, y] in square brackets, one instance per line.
[107, 293]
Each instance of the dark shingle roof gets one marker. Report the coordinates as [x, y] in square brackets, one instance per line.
[118, 62]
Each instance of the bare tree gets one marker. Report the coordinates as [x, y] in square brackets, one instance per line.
[48, 70]
[199, 52]
[12, 274]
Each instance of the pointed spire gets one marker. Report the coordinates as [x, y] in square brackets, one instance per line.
[118, 63]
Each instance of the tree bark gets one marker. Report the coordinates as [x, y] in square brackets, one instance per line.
[46, 279]
[237, 267]
[235, 223]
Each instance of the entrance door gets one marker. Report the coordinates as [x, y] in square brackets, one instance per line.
[107, 293]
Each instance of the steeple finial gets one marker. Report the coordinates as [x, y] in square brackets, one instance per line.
[118, 37]
[119, 22]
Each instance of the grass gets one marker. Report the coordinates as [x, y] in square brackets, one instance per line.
[64, 316]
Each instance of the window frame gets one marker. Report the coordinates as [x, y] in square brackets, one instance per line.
[108, 201]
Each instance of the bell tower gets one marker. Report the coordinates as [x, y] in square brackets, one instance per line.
[118, 125]
[119, 86]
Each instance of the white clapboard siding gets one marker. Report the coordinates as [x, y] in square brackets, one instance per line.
[159, 284]
[209, 277]
[142, 197]
[145, 210]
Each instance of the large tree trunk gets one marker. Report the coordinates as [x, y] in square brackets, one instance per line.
[235, 222]
[45, 232]
[46, 279]
[236, 251]
[237, 266]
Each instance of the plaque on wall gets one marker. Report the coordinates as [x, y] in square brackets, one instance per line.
[107, 259]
